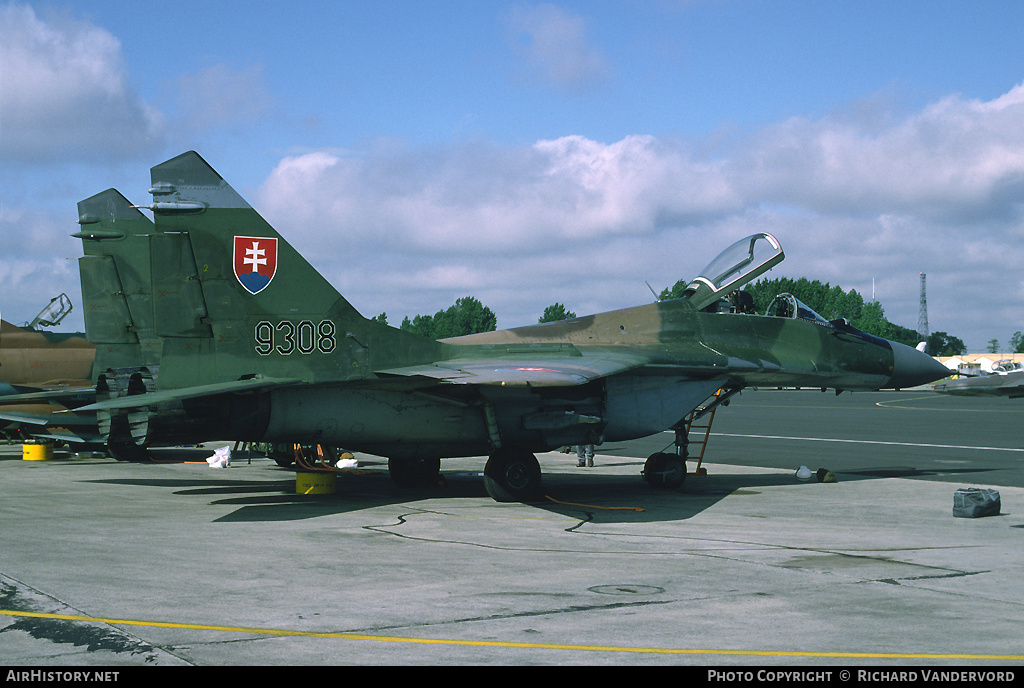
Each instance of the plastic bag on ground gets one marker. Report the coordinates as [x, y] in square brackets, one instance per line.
[221, 458]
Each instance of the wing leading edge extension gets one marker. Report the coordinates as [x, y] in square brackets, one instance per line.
[532, 372]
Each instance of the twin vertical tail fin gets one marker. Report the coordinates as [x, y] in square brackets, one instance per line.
[116, 281]
[205, 295]
[230, 298]
[207, 302]
[117, 301]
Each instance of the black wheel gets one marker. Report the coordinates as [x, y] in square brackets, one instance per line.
[665, 471]
[126, 450]
[414, 472]
[120, 443]
[282, 454]
[512, 475]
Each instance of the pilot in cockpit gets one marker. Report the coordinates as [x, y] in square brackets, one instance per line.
[742, 301]
[782, 306]
[788, 306]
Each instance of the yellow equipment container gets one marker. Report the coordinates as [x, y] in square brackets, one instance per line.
[37, 451]
[315, 483]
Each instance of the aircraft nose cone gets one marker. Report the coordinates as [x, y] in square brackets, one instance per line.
[912, 367]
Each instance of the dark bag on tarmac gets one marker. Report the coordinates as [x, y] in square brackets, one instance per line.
[972, 502]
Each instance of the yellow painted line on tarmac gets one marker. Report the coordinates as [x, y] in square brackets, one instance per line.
[494, 643]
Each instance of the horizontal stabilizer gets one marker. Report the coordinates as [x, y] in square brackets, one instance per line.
[64, 418]
[166, 395]
[73, 394]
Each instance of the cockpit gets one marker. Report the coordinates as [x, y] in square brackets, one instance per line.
[788, 306]
[718, 287]
[734, 267]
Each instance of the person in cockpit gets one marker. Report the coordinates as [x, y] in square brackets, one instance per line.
[742, 301]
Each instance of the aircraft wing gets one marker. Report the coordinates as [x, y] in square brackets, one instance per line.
[575, 370]
[522, 372]
[166, 395]
[53, 422]
[49, 411]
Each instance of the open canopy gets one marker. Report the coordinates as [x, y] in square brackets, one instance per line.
[735, 266]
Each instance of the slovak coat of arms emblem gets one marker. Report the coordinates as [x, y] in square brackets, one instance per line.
[255, 262]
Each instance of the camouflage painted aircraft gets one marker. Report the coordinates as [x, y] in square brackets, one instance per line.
[43, 373]
[117, 286]
[255, 345]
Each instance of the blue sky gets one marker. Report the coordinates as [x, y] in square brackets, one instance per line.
[527, 153]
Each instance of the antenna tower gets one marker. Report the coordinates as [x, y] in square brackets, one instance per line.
[922, 316]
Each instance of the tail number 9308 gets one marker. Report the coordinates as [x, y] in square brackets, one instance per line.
[287, 337]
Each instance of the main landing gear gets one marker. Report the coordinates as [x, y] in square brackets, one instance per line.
[512, 475]
[415, 472]
[124, 449]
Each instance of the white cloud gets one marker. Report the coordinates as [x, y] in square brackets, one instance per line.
[33, 266]
[64, 93]
[481, 198]
[956, 159]
[585, 223]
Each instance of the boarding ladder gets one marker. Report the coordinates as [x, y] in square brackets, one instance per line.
[695, 429]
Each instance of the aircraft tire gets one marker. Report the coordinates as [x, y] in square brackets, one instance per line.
[512, 475]
[282, 454]
[414, 472]
[126, 450]
[665, 471]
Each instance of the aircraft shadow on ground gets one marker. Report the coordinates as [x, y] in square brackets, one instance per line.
[907, 472]
[586, 495]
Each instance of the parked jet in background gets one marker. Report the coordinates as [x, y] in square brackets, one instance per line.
[255, 345]
[998, 385]
[42, 373]
[31, 357]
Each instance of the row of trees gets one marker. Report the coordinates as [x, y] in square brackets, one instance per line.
[1016, 344]
[469, 316]
[466, 316]
[868, 316]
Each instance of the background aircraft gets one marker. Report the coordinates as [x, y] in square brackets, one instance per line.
[999, 385]
[31, 357]
[255, 345]
[43, 373]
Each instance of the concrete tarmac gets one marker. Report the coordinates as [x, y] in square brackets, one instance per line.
[176, 563]
[911, 434]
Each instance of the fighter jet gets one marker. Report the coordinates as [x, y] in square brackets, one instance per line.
[1009, 385]
[31, 357]
[43, 373]
[255, 345]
